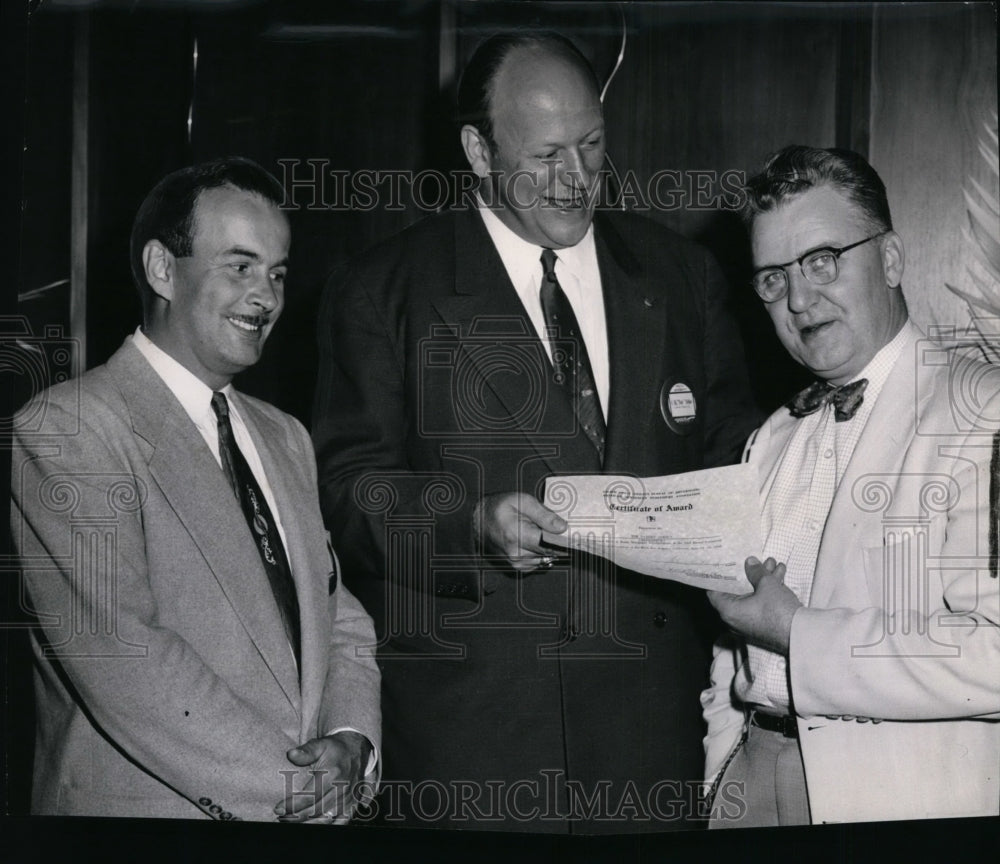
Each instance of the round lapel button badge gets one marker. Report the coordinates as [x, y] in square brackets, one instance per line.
[678, 407]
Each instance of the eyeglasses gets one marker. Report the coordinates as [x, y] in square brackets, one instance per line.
[818, 266]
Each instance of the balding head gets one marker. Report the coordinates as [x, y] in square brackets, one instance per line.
[540, 132]
[478, 85]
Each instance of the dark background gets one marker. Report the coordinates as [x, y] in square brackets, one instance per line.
[104, 98]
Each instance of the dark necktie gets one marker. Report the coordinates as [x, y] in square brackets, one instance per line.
[569, 354]
[846, 399]
[261, 522]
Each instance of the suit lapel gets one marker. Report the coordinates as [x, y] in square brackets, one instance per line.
[633, 318]
[494, 334]
[882, 447]
[183, 467]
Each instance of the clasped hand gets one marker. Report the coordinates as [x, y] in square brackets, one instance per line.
[327, 787]
[764, 617]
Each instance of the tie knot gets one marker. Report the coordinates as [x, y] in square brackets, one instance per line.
[549, 264]
[220, 405]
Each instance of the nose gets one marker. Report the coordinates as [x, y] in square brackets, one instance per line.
[265, 295]
[801, 292]
[573, 171]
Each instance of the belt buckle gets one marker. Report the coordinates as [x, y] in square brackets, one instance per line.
[789, 728]
[785, 724]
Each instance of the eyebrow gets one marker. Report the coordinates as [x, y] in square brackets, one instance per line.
[249, 253]
[819, 247]
[595, 131]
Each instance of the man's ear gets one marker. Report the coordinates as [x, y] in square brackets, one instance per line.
[477, 151]
[158, 264]
[893, 259]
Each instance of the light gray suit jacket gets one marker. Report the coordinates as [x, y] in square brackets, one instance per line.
[165, 685]
[903, 624]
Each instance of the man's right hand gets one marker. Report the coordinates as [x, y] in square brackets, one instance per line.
[511, 524]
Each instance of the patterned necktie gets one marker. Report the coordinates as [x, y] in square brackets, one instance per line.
[569, 354]
[261, 522]
[846, 399]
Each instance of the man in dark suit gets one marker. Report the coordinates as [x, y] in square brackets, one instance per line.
[462, 363]
[196, 657]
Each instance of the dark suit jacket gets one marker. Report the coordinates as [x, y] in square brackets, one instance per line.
[434, 391]
[165, 685]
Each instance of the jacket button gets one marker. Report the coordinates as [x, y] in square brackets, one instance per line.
[204, 801]
[660, 619]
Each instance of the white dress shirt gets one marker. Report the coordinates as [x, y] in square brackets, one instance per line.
[580, 279]
[796, 502]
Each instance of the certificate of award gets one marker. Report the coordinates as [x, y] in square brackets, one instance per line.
[696, 528]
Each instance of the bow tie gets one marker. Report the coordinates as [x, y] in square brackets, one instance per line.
[846, 399]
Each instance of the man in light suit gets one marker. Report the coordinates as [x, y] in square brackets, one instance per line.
[866, 685]
[524, 692]
[194, 658]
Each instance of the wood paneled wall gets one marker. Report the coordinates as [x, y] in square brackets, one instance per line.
[934, 85]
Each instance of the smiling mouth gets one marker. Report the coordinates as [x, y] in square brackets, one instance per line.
[813, 329]
[565, 204]
[247, 323]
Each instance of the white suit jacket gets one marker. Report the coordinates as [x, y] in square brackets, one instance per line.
[165, 686]
[903, 624]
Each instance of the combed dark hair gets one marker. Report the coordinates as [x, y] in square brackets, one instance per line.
[796, 169]
[167, 212]
[476, 89]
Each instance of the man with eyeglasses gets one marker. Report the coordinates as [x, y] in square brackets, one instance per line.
[862, 682]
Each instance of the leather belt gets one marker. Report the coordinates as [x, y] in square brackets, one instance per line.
[785, 724]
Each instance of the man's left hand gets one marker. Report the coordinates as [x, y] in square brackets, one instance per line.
[764, 617]
[327, 791]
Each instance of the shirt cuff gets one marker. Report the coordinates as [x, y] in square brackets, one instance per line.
[373, 756]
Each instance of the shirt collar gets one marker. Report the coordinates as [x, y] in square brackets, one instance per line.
[194, 394]
[523, 260]
[579, 259]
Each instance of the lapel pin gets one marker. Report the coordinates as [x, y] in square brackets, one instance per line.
[678, 407]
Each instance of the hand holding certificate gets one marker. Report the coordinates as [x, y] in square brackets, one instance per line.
[696, 528]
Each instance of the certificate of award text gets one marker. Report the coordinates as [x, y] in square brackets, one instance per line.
[696, 528]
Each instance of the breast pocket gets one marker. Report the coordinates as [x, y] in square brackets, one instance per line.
[897, 572]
